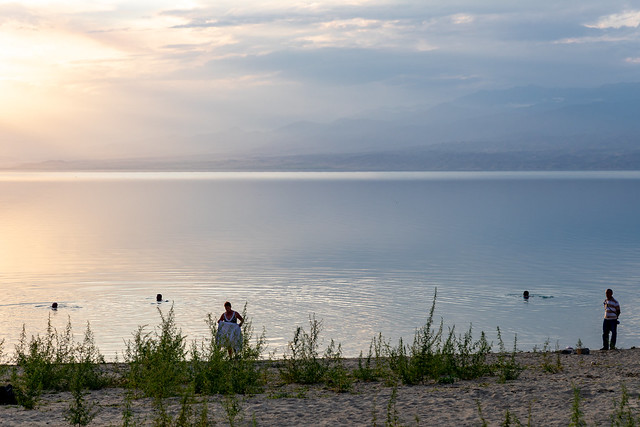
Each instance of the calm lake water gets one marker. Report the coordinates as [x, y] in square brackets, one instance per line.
[363, 251]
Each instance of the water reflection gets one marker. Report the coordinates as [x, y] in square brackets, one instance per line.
[364, 252]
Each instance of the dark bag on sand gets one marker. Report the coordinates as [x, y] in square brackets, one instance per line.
[7, 396]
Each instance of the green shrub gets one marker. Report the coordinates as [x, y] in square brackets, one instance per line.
[232, 408]
[80, 412]
[54, 362]
[157, 360]
[507, 366]
[547, 363]
[510, 420]
[434, 356]
[483, 421]
[622, 414]
[336, 376]
[302, 364]
[577, 416]
[376, 365]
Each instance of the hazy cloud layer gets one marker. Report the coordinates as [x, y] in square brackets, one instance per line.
[111, 78]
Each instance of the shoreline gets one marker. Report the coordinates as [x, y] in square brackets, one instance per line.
[545, 396]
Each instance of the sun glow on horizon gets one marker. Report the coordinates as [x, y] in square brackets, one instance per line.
[79, 78]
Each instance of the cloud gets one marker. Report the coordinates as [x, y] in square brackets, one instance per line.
[149, 67]
[596, 39]
[618, 20]
[461, 18]
[16, 14]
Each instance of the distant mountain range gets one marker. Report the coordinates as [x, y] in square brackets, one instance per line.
[522, 128]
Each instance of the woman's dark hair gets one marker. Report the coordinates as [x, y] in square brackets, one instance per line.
[227, 304]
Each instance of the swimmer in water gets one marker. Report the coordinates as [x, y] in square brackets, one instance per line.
[159, 297]
[54, 306]
[525, 295]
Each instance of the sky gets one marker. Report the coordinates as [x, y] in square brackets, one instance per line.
[101, 78]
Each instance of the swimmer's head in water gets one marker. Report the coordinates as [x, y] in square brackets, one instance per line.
[525, 294]
[54, 305]
[159, 297]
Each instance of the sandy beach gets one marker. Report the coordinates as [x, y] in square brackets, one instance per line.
[545, 397]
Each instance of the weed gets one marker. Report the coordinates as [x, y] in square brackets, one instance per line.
[127, 412]
[337, 377]
[232, 408]
[393, 418]
[375, 365]
[203, 420]
[577, 416]
[559, 366]
[157, 361]
[374, 413]
[186, 410]
[510, 419]
[547, 364]
[483, 421]
[364, 371]
[162, 417]
[507, 366]
[434, 356]
[80, 412]
[302, 364]
[471, 356]
[53, 362]
[622, 415]
[87, 359]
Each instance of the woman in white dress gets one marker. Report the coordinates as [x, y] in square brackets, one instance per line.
[229, 329]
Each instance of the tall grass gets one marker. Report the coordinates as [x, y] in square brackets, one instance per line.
[55, 361]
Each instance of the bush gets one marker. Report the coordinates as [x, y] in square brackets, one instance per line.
[302, 363]
[336, 376]
[432, 356]
[157, 360]
[508, 368]
[375, 366]
[55, 362]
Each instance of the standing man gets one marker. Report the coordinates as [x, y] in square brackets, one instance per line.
[610, 323]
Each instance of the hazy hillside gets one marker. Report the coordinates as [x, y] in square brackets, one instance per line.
[522, 128]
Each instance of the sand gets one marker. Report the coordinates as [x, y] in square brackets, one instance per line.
[548, 397]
